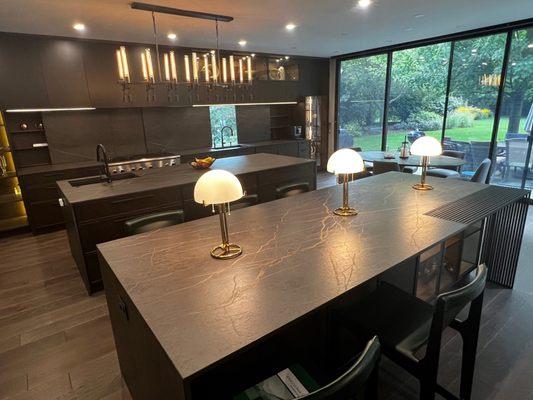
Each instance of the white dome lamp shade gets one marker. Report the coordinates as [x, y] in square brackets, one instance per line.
[345, 162]
[425, 147]
[219, 188]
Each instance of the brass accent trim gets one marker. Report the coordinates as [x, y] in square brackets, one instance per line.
[422, 186]
[345, 212]
[226, 251]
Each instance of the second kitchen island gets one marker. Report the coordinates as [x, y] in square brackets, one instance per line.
[96, 212]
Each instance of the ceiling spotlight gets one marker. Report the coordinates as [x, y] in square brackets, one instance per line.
[253, 55]
[242, 43]
[79, 27]
[290, 27]
[364, 3]
[172, 36]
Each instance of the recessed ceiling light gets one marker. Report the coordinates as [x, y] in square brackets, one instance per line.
[287, 57]
[290, 27]
[79, 27]
[513, 64]
[474, 50]
[484, 63]
[419, 15]
[253, 55]
[364, 3]
[172, 36]
[242, 43]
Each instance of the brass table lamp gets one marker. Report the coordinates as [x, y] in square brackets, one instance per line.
[219, 188]
[345, 162]
[425, 146]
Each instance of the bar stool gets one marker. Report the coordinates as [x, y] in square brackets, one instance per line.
[381, 167]
[292, 189]
[448, 172]
[361, 376]
[147, 223]
[410, 330]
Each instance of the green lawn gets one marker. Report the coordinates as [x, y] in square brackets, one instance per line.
[481, 131]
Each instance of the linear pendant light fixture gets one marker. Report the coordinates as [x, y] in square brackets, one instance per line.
[199, 69]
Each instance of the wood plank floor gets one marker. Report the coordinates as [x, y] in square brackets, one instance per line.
[56, 342]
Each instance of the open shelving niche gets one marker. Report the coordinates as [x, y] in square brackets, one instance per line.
[12, 210]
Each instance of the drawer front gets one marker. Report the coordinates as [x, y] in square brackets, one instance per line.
[46, 178]
[45, 214]
[270, 149]
[282, 175]
[40, 193]
[304, 150]
[127, 204]
[289, 149]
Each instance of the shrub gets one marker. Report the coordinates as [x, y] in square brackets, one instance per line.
[477, 113]
[353, 128]
[424, 120]
[457, 119]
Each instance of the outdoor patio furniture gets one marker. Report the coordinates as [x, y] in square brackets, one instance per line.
[515, 157]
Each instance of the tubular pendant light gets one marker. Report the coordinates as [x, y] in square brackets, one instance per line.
[195, 67]
[241, 71]
[224, 70]
[232, 68]
[166, 62]
[125, 66]
[150, 65]
[120, 67]
[187, 69]
[144, 66]
[206, 66]
[249, 68]
[214, 67]
[173, 68]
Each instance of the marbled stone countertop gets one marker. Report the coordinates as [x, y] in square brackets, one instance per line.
[178, 175]
[297, 256]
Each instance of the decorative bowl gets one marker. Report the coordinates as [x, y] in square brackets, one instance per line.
[202, 163]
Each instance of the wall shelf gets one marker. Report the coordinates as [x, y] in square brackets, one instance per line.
[13, 223]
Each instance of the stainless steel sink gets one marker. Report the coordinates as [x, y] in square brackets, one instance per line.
[100, 179]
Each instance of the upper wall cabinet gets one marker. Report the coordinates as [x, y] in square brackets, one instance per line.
[64, 73]
[21, 77]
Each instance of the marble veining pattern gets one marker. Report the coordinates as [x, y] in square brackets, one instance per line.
[297, 257]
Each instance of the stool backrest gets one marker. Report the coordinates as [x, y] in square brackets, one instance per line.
[482, 172]
[353, 380]
[450, 304]
[150, 222]
[380, 167]
[246, 201]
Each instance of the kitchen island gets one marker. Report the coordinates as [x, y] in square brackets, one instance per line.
[187, 326]
[96, 212]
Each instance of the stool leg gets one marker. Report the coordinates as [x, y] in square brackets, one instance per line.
[467, 365]
[371, 388]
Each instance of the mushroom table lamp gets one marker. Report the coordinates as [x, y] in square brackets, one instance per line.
[219, 188]
[425, 146]
[345, 162]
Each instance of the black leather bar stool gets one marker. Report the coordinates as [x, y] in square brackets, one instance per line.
[369, 167]
[410, 330]
[482, 172]
[246, 201]
[361, 376]
[292, 189]
[147, 223]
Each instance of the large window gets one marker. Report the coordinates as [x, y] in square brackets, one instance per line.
[417, 93]
[477, 68]
[422, 82]
[513, 148]
[361, 102]
[222, 117]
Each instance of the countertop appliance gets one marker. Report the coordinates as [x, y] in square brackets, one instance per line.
[141, 162]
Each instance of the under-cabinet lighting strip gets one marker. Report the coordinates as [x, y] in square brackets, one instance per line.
[246, 104]
[28, 110]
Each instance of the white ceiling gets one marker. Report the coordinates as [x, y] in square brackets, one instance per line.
[325, 28]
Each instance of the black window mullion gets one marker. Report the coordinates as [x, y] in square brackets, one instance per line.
[448, 86]
[499, 100]
[385, 116]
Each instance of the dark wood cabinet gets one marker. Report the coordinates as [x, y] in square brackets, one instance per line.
[21, 76]
[64, 73]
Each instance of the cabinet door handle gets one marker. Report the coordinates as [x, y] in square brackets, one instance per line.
[61, 202]
[121, 201]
